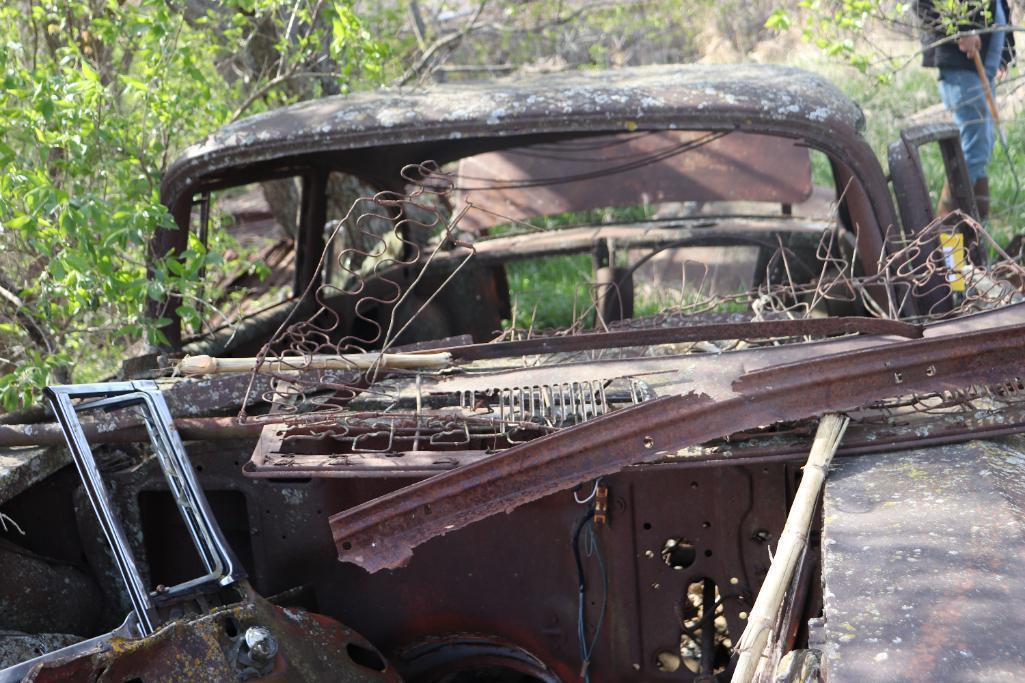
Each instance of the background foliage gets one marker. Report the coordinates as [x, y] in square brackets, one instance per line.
[99, 96]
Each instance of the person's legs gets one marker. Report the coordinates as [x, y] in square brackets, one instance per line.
[962, 94]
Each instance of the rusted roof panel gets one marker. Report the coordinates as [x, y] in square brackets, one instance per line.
[669, 96]
[923, 565]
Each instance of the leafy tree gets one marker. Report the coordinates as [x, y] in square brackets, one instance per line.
[839, 27]
[98, 97]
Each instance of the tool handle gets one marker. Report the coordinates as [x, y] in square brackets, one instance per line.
[981, 70]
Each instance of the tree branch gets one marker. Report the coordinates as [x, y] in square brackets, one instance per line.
[292, 73]
[449, 41]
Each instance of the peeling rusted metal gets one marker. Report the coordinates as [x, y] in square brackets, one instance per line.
[309, 647]
[196, 428]
[382, 533]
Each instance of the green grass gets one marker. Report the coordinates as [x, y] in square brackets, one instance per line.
[547, 293]
[555, 292]
[552, 292]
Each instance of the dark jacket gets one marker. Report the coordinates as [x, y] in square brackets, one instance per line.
[948, 55]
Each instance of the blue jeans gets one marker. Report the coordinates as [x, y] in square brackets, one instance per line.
[961, 92]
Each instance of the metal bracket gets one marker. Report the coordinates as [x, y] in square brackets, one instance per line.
[221, 567]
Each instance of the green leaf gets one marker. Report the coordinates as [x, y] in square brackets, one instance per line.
[779, 20]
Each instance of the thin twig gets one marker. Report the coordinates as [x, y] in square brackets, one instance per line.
[452, 39]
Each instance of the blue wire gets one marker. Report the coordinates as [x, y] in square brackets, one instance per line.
[587, 650]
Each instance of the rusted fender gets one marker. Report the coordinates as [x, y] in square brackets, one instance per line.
[382, 533]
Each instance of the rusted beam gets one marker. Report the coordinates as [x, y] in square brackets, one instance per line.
[816, 327]
[382, 533]
[189, 428]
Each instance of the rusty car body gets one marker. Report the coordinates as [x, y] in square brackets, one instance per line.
[346, 524]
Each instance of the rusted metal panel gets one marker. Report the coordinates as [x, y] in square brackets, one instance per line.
[50, 434]
[923, 566]
[448, 590]
[301, 647]
[578, 101]
[631, 169]
[382, 533]
[429, 604]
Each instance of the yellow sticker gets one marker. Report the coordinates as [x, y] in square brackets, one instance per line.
[630, 125]
[954, 257]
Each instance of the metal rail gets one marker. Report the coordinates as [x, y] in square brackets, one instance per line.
[688, 333]
[221, 567]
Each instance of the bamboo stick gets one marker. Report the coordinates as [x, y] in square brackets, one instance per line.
[208, 365]
[792, 542]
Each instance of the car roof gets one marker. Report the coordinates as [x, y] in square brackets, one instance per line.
[456, 120]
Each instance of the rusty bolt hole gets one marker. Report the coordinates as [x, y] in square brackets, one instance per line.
[346, 545]
[365, 657]
[678, 553]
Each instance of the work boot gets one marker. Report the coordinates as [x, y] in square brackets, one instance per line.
[982, 197]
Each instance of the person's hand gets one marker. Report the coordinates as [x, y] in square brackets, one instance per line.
[1001, 72]
[970, 45]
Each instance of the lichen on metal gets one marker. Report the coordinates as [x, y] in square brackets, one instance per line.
[741, 96]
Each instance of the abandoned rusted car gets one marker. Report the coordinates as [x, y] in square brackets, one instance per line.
[322, 500]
